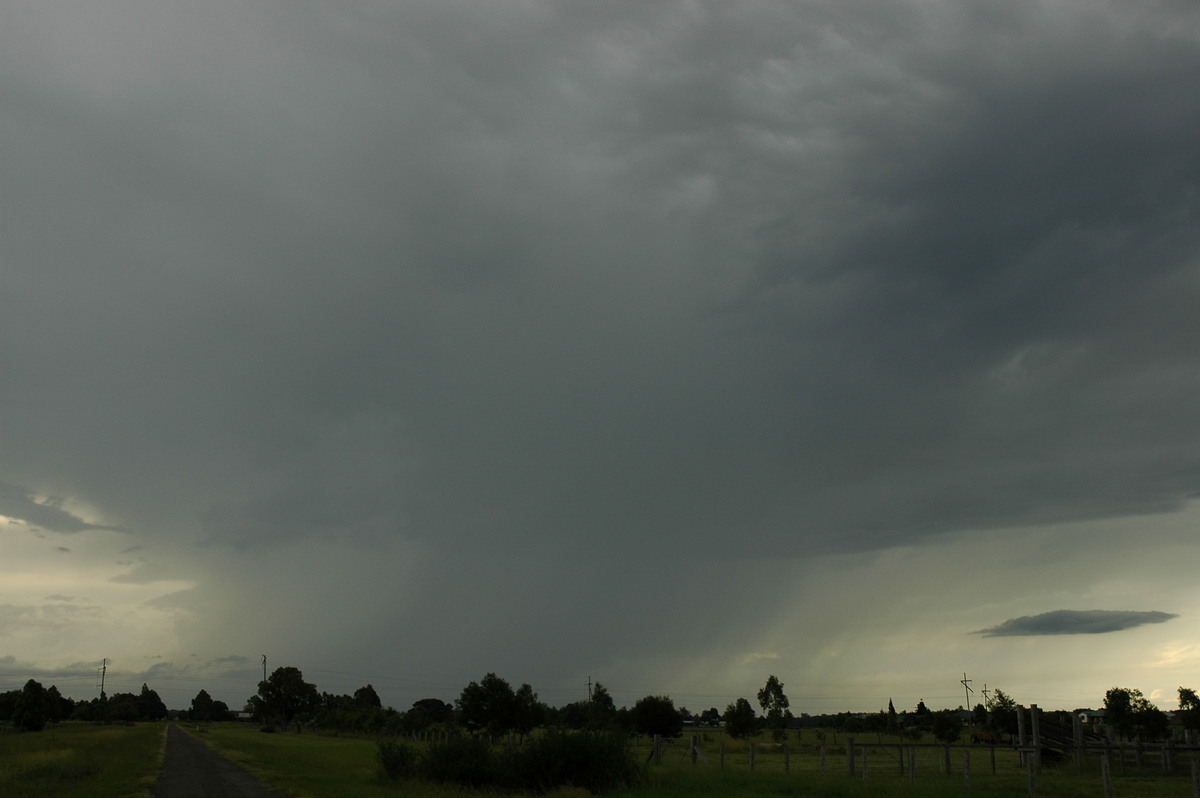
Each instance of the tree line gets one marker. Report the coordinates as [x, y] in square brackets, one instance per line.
[492, 706]
[33, 707]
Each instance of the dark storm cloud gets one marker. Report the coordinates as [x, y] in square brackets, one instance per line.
[49, 514]
[564, 283]
[1075, 622]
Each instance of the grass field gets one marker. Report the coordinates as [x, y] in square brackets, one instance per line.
[81, 761]
[315, 766]
[74, 761]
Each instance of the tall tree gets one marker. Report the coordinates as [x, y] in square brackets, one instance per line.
[30, 710]
[1131, 714]
[367, 698]
[1120, 705]
[57, 707]
[202, 707]
[1189, 708]
[284, 695]
[8, 704]
[602, 710]
[1004, 712]
[946, 725]
[528, 712]
[150, 706]
[740, 720]
[656, 714]
[775, 707]
[434, 709]
[487, 705]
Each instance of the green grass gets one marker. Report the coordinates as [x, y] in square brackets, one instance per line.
[81, 761]
[78, 760]
[316, 766]
[307, 765]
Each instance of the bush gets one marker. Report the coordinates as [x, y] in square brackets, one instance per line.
[596, 762]
[468, 761]
[593, 761]
[398, 760]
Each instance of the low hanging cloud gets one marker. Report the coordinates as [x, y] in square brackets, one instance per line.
[1075, 622]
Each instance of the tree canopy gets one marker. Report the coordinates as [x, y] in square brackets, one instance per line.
[31, 709]
[487, 705]
[774, 706]
[740, 720]
[1189, 708]
[1130, 714]
[284, 695]
[656, 714]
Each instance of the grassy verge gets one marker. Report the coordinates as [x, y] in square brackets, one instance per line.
[81, 761]
[307, 765]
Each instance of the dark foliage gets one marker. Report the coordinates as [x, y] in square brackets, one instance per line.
[740, 720]
[467, 761]
[596, 762]
[656, 714]
[31, 707]
[399, 761]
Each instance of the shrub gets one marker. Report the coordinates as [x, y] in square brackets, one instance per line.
[594, 761]
[398, 760]
[468, 761]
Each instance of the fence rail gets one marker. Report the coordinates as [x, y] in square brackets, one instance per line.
[864, 760]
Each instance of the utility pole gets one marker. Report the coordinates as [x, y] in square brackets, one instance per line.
[966, 683]
[987, 701]
[589, 689]
[265, 668]
[103, 671]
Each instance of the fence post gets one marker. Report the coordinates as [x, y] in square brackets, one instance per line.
[912, 764]
[657, 749]
[864, 765]
[695, 747]
[849, 756]
[967, 768]
[752, 756]
[1031, 775]
[1195, 778]
[1077, 739]
[1035, 724]
[822, 760]
[1106, 775]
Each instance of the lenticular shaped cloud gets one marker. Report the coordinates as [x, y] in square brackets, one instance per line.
[1075, 622]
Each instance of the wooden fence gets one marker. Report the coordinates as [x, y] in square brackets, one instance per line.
[908, 760]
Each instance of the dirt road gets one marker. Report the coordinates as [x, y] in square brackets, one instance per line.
[190, 770]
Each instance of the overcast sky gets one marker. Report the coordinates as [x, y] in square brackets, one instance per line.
[665, 344]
